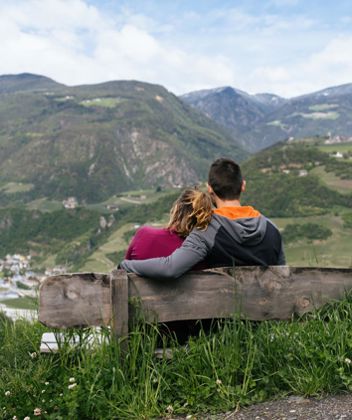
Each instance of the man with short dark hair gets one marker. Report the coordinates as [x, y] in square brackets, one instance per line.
[236, 235]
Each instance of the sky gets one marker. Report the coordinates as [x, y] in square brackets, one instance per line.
[285, 47]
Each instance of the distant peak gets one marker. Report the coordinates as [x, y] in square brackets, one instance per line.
[25, 76]
[26, 82]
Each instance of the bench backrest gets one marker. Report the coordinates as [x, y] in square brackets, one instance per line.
[257, 293]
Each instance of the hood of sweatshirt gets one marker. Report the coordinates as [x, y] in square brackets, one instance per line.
[244, 224]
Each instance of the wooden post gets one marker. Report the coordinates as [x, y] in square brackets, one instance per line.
[119, 305]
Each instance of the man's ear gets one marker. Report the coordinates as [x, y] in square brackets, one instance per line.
[210, 190]
[243, 186]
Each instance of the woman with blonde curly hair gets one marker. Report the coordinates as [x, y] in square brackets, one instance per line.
[192, 210]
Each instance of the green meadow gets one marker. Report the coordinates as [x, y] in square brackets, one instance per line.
[337, 147]
[101, 102]
[236, 364]
[334, 182]
[335, 251]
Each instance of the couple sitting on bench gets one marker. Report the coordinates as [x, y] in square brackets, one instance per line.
[198, 237]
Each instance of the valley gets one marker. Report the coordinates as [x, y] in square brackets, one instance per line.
[81, 168]
[304, 192]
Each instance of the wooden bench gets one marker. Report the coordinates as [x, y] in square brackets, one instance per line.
[256, 293]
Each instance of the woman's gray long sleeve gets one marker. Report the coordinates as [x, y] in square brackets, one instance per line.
[192, 251]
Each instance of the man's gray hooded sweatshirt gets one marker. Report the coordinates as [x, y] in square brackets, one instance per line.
[235, 236]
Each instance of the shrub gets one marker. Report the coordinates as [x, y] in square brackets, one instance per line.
[311, 231]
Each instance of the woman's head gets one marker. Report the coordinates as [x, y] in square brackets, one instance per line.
[191, 210]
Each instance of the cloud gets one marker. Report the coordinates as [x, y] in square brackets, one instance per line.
[76, 42]
[284, 3]
[330, 66]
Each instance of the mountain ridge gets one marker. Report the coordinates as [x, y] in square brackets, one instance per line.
[93, 141]
[260, 120]
[11, 83]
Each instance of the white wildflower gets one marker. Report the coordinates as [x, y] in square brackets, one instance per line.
[37, 412]
[71, 386]
[43, 391]
[46, 383]
[27, 418]
[170, 409]
[7, 393]
[33, 355]
[218, 382]
[72, 380]
[348, 361]
[14, 418]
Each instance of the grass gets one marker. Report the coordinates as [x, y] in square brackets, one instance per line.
[16, 187]
[320, 115]
[344, 186]
[44, 205]
[323, 107]
[101, 102]
[104, 258]
[99, 260]
[337, 147]
[21, 303]
[131, 197]
[238, 364]
[333, 252]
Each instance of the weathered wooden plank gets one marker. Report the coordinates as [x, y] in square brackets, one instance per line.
[75, 300]
[193, 296]
[119, 303]
[254, 292]
[279, 293]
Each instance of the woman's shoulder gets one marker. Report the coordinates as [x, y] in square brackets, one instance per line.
[153, 230]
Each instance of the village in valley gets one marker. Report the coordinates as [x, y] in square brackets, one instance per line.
[18, 280]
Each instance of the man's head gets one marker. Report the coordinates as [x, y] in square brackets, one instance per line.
[225, 179]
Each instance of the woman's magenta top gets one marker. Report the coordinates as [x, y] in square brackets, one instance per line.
[151, 242]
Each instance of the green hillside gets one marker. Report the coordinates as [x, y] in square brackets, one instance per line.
[288, 180]
[308, 193]
[73, 237]
[98, 140]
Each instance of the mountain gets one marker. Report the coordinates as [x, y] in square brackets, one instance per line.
[270, 101]
[261, 120]
[93, 141]
[233, 109]
[26, 82]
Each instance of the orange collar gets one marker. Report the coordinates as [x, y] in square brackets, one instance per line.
[238, 212]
